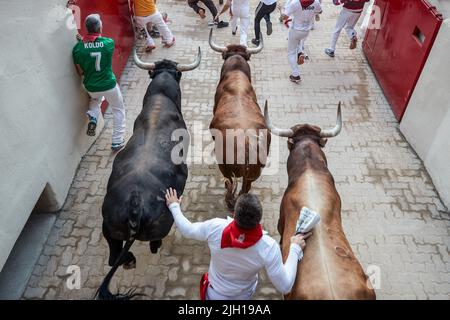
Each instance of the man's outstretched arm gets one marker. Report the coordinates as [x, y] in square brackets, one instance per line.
[282, 275]
[197, 231]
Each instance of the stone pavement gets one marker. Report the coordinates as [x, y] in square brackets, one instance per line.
[391, 212]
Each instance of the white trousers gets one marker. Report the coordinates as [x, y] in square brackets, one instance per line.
[296, 40]
[241, 11]
[347, 19]
[157, 20]
[115, 100]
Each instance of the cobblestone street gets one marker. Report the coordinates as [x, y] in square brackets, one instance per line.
[391, 212]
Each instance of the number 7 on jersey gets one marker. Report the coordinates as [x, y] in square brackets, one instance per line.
[98, 58]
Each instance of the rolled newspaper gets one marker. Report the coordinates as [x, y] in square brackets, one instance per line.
[306, 222]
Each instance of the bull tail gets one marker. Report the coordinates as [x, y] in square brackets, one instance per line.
[103, 292]
[135, 209]
[249, 167]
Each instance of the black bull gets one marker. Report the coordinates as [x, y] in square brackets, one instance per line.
[134, 207]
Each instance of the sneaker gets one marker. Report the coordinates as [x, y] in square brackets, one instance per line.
[141, 33]
[233, 32]
[255, 42]
[201, 13]
[154, 32]
[317, 17]
[353, 43]
[269, 28]
[150, 48]
[92, 125]
[300, 58]
[296, 79]
[222, 24]
[330, 53]
[168, 45]
[118, 146]
[306, 56]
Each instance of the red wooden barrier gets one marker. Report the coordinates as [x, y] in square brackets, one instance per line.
[397, 52]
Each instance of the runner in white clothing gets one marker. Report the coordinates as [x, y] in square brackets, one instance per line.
[239, 250]
[240, 9]
[302, 13]
[347, 19]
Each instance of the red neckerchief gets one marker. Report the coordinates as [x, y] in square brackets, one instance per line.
[306, 3]
[235, 237]
[91, 37]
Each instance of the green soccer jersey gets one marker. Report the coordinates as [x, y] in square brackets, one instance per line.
[95, 59]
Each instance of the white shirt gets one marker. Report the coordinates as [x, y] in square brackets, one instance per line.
[302, 19]
[233, 272]
[268, 2]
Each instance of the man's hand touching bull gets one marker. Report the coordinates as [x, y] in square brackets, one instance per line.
[171, 197]
[300, 239]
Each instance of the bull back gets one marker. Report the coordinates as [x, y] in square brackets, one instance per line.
[329, 268]
[145, 165]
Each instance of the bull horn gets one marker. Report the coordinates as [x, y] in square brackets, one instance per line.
[258, 48]
[276, 131]
[193, 65]
[140, 64]
[335, 131]
[214, 46]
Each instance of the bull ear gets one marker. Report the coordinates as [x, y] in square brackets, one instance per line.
[323, 142]
[290, 143]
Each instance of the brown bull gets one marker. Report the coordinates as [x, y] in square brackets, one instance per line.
[329, 269]
[238, 127]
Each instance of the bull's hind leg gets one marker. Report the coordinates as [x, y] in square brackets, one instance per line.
[230, 198]
[246, 186]
[155, 245]
[129, 262]
[115, 246]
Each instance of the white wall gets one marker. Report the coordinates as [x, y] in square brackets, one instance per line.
[42, 106]
[426, 123]
[443, 7]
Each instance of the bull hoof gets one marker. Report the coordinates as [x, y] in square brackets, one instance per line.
[130, 265]
[155, 245]
[129, 262]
